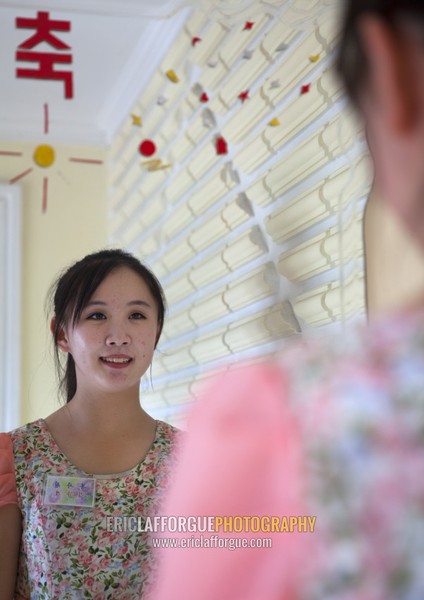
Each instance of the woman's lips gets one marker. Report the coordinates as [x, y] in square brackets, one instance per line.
[116, 361]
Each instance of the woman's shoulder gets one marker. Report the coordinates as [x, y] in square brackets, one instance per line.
[167, 433]
[26, 431]
[29, 438]
[6, 448]
[7, 471]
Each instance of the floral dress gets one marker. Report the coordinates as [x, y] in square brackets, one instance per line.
[331, 432]
[77, 540]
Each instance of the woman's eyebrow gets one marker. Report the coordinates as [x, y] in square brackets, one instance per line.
[142, 303]
[139, 303]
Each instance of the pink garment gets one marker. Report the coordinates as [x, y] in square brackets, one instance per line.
[240, 437]
[334, 429]
[7, 472]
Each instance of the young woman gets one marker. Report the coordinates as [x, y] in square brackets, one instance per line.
[76, 486]
[327, 442]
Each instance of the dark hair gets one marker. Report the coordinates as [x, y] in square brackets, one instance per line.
[72, 291]
[351, 63]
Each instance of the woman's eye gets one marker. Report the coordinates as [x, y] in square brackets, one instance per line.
[97, 316]
[137, 315]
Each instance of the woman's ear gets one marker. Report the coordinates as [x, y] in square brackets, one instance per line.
[390, 87]
[62, 340]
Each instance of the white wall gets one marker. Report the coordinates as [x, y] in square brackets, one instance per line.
[10, 306]
[73, 225]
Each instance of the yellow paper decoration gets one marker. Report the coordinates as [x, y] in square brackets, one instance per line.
[44, 156]
[315, 58]
[156, 164]
[172, 76]
[137, 120]
[275, 122]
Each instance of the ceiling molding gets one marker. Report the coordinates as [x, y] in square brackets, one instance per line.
[123, 8]
[145, 8]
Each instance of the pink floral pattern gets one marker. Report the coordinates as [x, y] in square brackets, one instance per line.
[72, 552]
[331, 428]
[360, 407]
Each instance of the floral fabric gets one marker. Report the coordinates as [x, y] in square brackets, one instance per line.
[77, 551]
[332, 430]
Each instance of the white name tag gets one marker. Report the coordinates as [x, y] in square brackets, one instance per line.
[70, 491]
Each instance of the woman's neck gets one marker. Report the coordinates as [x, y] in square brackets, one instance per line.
[106, 413]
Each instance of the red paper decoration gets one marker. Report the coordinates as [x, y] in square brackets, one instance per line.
[221, 145]
[195, 41]
[244, 96]
[204, 97]
[44, 26]
[248, 25]
[305, 88]
[147, 148]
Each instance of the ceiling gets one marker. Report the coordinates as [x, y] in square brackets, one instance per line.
[115, 45]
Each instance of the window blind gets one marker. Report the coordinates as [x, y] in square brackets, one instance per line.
[265, 241]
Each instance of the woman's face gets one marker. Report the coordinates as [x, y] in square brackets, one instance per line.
[113, 341]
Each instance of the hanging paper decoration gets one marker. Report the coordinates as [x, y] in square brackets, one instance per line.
[212, 63]
[275, 83]
[229, 174]
[161, 100]
[221, 145]
[244, 96]
[274, 122]
[208, 119]
[156, 164]
[245, 204]
[147, 148]
[248, 25]
[315, 58]
[282, 47]
[197, 89]
[172, 76]
[247, 54]
[137, 120]
[305, 88]
[195, 41]
[204, 97]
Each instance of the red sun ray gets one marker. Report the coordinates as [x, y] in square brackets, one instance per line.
[90, 161]
[46, 118]
[21, 175]
[7, 153]
[45, 193]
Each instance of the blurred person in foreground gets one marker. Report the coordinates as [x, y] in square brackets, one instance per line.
[332, 432]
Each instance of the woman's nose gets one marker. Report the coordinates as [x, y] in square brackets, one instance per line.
[117, 337]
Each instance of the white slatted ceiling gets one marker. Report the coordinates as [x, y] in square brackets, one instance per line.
[264, 242]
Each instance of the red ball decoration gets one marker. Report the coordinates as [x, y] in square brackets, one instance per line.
[147, 148]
